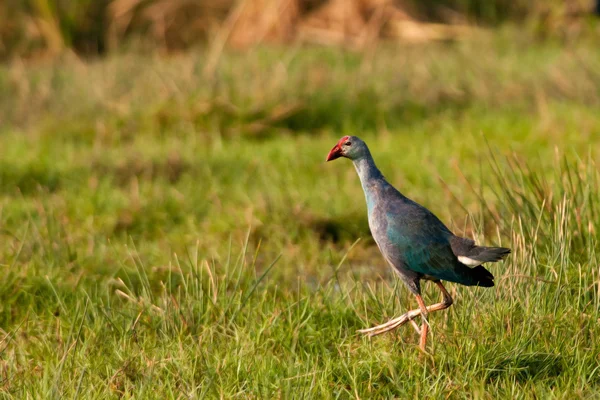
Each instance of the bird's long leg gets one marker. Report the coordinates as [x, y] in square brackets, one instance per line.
[410, 315]
[424, 324]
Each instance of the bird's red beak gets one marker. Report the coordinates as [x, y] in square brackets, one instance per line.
[336, 152]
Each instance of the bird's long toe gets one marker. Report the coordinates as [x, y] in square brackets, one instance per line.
[391, 324]
[414, 325]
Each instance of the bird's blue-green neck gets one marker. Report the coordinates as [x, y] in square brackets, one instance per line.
[371, 178]
[366, 168]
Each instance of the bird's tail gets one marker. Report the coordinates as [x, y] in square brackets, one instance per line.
[489, 254]
[481, 277]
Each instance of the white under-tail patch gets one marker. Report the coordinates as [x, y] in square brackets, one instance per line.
[469, 262]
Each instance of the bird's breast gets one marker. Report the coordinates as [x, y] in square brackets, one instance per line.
[378, 225]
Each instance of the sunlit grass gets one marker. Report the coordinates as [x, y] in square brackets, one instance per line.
[167, 235]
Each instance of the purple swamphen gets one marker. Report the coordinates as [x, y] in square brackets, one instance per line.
[414, 241]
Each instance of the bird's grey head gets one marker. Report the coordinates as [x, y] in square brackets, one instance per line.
[350, 147]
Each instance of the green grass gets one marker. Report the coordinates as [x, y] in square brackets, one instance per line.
[170, 235]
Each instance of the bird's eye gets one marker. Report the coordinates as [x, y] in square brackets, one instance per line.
[347, 144]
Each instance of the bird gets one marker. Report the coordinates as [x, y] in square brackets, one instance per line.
[416, 244]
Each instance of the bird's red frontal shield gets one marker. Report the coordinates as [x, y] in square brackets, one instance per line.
[337, 152]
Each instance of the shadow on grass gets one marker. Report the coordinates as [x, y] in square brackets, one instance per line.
[338, 230]
[525, 367]
[29, 180]
[123, 171]
[331, 109]
[366, 111]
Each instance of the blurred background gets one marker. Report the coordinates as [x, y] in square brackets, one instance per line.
[33, 28]
[158, 156]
